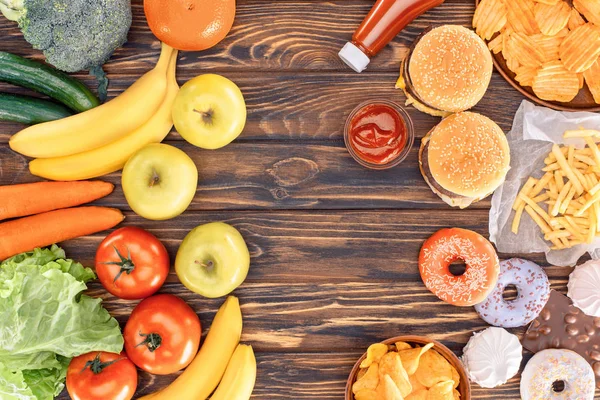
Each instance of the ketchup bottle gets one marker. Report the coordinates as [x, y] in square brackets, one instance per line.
[385, 20]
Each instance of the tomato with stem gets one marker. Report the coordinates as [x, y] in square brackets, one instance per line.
[162, 334]
[101, 376]
[131, 263]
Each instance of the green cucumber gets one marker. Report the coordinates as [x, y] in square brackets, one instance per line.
[47, 80]
[30, 110]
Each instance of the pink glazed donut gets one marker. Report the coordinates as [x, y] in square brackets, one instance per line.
[533, 291]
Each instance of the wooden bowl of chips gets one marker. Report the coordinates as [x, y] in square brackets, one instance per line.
[555, 81]
[427, 365]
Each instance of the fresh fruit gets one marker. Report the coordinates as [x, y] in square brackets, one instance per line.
[240, 376]
[47, 196]
[203, 375]
[159, 181]
[191, 25]
[101, 376]
[47, 80]
[162, 334]
[30, 110]
[213, 260]
[101, 125]
[132, 263]
[209, 111]
[25, 234]
[112, 157]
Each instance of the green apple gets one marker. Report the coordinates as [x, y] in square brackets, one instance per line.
[159, 181]
[213, 260]
[209, 111]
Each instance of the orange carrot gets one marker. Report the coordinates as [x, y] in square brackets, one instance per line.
[25, 234]
[39, 197]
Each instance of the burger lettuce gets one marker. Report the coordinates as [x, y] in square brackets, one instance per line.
[45, 320]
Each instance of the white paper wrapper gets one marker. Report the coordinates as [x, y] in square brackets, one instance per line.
[534, 131]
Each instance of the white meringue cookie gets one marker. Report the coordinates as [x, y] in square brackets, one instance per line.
[492, 357]
[584, 287]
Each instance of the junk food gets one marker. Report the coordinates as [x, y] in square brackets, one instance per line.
[580, 48]
[447, 70]
[552, 18]
[553, 81]
[454, 244]
[570, 190]
[562, 325]
[464, 158]
[405, 372]
[548, 44]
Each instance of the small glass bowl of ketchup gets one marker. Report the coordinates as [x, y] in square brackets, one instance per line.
[379, 134]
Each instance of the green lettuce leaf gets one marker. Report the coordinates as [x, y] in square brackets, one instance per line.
[13, 386]
[45, 320]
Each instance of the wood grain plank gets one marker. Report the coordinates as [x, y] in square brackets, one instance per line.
[342, 316]
[341, 246]
[281, 176]
[314, 106]
[301, 35]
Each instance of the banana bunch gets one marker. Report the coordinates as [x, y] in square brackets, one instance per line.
[220, 359]
[100, 141]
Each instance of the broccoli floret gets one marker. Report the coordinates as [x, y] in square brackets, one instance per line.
[74, 35]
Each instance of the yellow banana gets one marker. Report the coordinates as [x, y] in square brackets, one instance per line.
[240, 376]
[101, 125]
[203, 375]
[112, 157]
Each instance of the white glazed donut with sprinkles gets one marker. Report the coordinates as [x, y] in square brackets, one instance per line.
[557, 374]
[533, 292]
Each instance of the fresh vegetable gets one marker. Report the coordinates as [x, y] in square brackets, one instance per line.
[45, 320]
[30, 110]
[75, 35]
[50, 227]
[46, 80]
[203, 375]
[101, 125]
[101, 376]
[132, 263]
[213, 260]
[34, 198]
[209, 111]
[240, 376]
[159, 181]
[162, 334]
[112, 157]
[190, 25]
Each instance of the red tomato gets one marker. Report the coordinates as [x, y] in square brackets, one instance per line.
[132, 263]
[101, 376]
[162, 334]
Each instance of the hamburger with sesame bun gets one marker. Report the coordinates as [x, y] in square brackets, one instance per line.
[464, 158]
[447, 70]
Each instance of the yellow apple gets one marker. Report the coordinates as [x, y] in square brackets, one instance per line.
[209, 111]
[213, 260]
[159, 181]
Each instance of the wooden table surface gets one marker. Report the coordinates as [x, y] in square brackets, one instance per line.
[334, 246]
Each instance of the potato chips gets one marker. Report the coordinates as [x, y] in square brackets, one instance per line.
[592, 78]
[551, 19]
[554, 82]
[547, 44]
[404, 372]
[580, 48]
[489, 18]
[590, 9]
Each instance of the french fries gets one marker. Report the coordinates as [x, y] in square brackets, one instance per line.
[570, 190]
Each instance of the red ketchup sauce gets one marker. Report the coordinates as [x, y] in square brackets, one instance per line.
[377, 133]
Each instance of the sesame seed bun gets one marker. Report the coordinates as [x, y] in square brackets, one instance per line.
[464, 158]
[450, 69]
